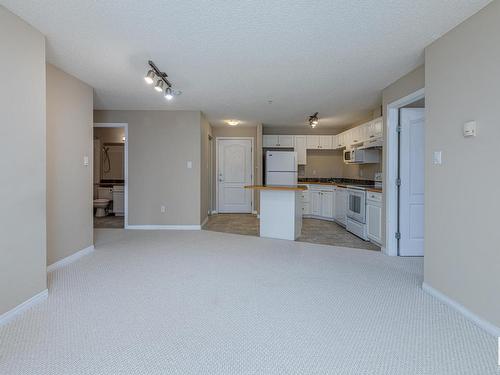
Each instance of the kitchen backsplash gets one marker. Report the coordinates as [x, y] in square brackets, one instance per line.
[330, 164]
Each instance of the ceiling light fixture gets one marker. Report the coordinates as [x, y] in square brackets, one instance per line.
[162, 81]
[233, 122]
[149, 78]
[159, 85]
[314, 120]
[168, 94]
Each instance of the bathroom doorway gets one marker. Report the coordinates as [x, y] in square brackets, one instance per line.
[110, 181]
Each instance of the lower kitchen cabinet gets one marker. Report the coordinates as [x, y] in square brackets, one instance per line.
[322, 202]
[340, 213]
[374, 217]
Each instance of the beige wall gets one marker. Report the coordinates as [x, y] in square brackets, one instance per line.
[462, 251]
[206, 132]
[406, 85]
[69, 182]
[22, 161]
[241, 131]
[160, 143]
[330, 164]
[109, 135]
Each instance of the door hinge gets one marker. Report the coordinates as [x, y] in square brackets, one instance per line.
[398, 182]
[398, 128]
[397, 235]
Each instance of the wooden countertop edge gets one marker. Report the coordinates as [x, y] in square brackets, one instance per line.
[289, 188]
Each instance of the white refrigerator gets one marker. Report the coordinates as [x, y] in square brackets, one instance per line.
[281, 168]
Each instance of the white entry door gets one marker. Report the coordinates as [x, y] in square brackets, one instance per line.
[234, 161]
[411, 192]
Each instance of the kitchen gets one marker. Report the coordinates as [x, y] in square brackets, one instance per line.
[333, 180]
[348, 188]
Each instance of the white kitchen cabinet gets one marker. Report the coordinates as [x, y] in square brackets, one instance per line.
[340, 214]
[319, 142]
[325, 142]
[283, 141]
[300, 146]
[375, 128]
[355, 135]
[315, 202]
[306, 203]
[322, 201]
[374, 217]
[327, 203]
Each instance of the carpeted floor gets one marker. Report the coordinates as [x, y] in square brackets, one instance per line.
[201, 302]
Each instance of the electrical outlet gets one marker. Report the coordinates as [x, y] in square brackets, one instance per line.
[163, 209]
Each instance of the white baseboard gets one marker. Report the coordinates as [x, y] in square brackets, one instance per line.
[37, 298]
[214, 212]
[204, 222]
[164, 227]
[254, 212]
[70, 259]
[484, 324]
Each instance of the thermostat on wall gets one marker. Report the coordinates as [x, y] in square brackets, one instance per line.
[470, 129]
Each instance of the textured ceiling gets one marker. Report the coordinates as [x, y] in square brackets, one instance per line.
[231, 57]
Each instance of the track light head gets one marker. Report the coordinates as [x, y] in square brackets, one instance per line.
[149, 78]
[314, 120]
[168, 94]
[159, 85]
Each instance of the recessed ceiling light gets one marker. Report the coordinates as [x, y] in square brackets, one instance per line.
[233, 122]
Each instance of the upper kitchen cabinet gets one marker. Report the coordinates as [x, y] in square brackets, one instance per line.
[300, 146]
[283, 141]
[319, 142]
[375, 128]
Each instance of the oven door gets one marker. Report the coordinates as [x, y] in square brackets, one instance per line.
[356, 205]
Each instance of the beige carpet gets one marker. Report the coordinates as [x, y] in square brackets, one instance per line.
[200, 302]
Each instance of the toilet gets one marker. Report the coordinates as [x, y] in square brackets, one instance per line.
[101, 204]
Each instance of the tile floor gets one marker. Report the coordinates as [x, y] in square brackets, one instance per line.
[313, 230]
[109, 222]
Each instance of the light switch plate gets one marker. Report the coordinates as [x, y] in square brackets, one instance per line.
[190, 164]
[437, 158]
[470, 129]
[86, 160]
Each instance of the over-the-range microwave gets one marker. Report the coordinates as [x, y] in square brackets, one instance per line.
[364, 156]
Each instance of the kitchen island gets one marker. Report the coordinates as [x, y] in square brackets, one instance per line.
[280, 210]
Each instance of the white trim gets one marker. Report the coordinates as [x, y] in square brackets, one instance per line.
[484, 324]
[254, 212]
[252, 156]
[11, 314]
[214, 212]
[391, 165]
[119, 125]
[70, 259]
[163, 227]
[204, 222]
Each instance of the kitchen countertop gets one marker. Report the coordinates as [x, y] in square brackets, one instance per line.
[277, 187]
[345, 185]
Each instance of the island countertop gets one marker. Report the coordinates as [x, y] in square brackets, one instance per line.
[277, 187]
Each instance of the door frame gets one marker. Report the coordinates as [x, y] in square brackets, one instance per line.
[125, 167]
[392, 165]
[217, 139]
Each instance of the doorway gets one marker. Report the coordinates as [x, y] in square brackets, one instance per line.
[234, 170]
[110, 205]
[405, 176]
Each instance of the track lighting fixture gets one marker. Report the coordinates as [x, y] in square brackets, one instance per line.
[159, 85]
[162, 81]
[314, 120]
[169, 94]
[149, 78]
